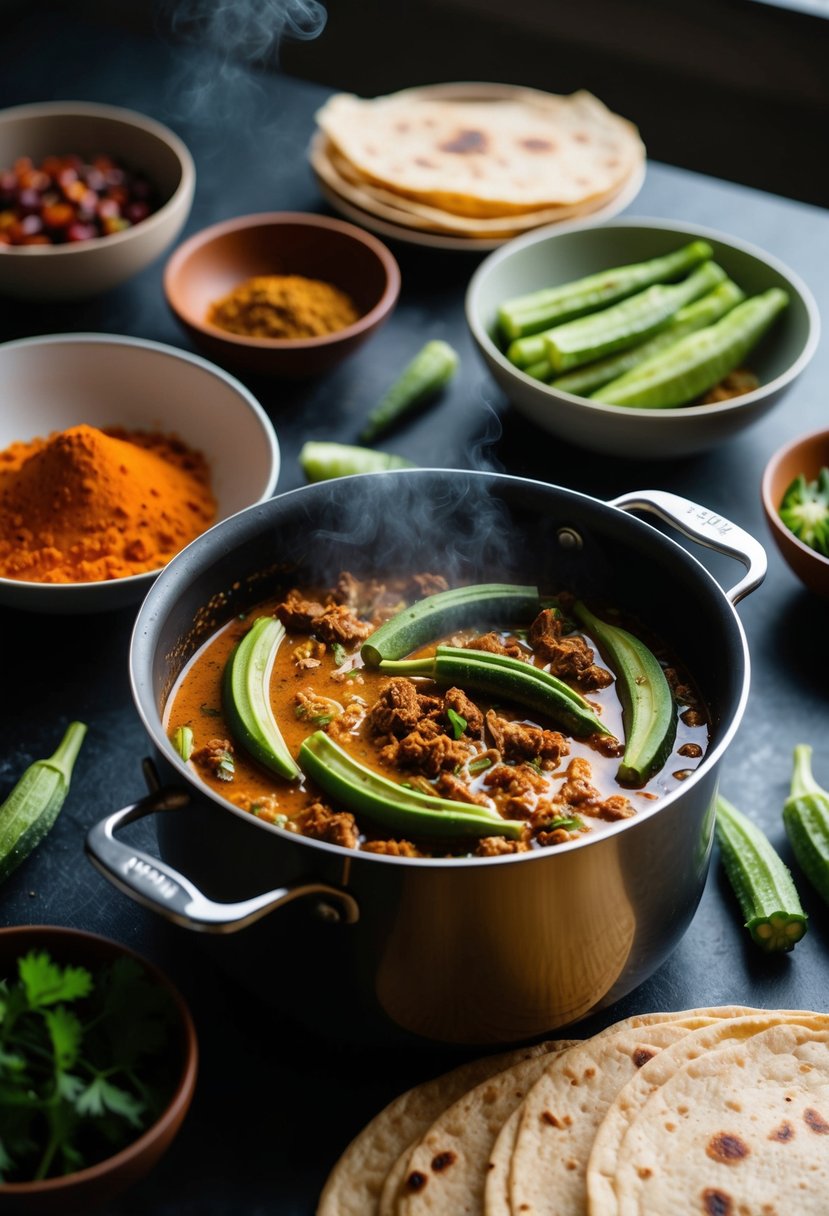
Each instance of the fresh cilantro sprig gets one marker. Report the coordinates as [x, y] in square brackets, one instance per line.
[81, 1063]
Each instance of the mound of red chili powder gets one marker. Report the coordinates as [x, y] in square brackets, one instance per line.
[86, 505]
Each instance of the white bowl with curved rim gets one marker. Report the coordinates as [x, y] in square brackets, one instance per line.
[85, 268]
[63, 380]
[545, 258]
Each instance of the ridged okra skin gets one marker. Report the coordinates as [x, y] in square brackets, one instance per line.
[246, 698]
[393, 806]
[649, 709]
[763, 885]
[699, 361]
[540, 310]
[628, 323]
[427, 619]
[687, 320]
[806, 819]
[33, 805]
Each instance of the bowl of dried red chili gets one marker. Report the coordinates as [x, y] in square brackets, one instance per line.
[89, 195]
[283, 293]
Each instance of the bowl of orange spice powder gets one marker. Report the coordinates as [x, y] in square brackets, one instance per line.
[284, 293]
[115, 453]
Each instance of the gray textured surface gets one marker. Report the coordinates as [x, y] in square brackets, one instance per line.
[274, 1106]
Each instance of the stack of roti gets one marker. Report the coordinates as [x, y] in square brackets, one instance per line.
[716, 1112]
[475, 161]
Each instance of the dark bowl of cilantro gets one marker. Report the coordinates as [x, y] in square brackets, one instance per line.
[795, 492]
[98, 1059]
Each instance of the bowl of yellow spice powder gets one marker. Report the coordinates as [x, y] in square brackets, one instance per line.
[116, 453]
[282, 294]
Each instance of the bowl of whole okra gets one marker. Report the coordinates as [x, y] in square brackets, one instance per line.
[639, 337]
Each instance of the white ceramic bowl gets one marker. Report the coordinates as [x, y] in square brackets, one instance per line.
[547, 257]
[62, 380]
[68, 272]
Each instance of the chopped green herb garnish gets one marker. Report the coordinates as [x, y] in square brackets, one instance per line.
[210, 712]
[478, 766]
[457, 722]
[226, 768]
[338, 652]
[322, 720]
[570, 824]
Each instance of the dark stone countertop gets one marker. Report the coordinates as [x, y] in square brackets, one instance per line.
[274, 1105]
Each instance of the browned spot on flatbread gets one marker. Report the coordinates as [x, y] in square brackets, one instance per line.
[402, 126]
[465, 141]
[642, 1055]
[644, 1172]
[553, 1120]
[815, 1121]
[581, 137]
[424, 163]
[535, 144]
[416, 1181]
[442, 1161]
[783, 1133]
[727, 1149]
[716, 1203]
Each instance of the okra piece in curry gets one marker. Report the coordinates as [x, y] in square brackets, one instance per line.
[401, 716]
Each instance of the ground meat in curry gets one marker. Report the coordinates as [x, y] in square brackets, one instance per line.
[448, 741]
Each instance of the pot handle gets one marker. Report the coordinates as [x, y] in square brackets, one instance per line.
[707, 528]
[163, 889]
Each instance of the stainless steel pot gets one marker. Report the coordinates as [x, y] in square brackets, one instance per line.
[466, 951]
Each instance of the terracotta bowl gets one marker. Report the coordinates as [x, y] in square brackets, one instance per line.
[807, 455]
[217, 259]
[69, 272]
[89, 1188]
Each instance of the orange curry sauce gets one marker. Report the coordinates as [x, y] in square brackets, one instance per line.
[313, 683]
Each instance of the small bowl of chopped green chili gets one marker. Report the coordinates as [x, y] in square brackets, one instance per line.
[99, 1056]
[795, 492]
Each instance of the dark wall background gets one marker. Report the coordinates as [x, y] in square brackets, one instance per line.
[735, 88]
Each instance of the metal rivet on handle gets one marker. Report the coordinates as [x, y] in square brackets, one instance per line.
[569, 538]
[327, 913]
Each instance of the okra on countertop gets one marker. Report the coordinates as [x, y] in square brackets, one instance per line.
[806, 819]
[762, 883]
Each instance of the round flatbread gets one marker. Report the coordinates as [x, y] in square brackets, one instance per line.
[742, 1129]
[623, 1112]
[500, 157]
[446, 1170]
[341, 177]
[562, 1112]
[496, 1190]
[354, 1185]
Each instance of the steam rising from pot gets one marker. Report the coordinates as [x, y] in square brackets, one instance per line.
[246, 30]
[233, 37]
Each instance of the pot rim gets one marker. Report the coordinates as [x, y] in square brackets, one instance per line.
[148, 613]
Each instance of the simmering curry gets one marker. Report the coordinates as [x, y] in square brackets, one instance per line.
[495, 736]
